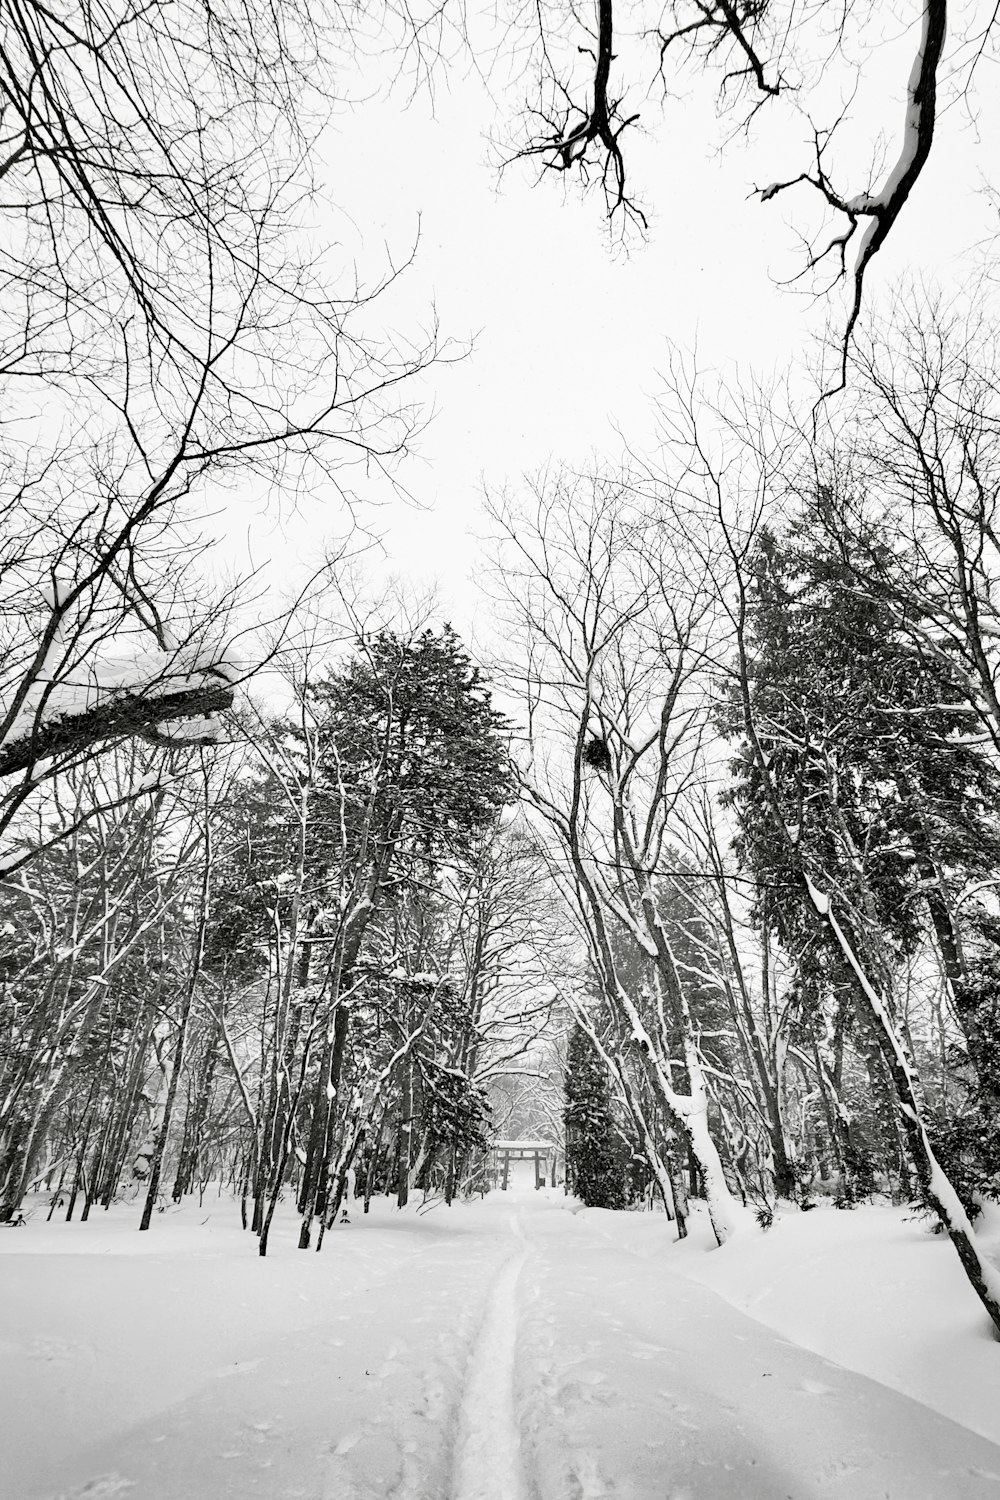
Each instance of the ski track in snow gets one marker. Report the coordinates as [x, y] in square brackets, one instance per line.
[509, 1351]
[489, 1461]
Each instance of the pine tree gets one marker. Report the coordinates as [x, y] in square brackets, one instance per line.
[872, 754]
[595, 1160]
[412, 768]
[414, 750]
[874, 760]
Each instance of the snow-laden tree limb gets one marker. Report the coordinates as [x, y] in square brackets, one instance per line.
[161, 711]
[881, 208]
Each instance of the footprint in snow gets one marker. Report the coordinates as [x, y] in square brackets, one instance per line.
[815, 1387]
[101, 1488]
[672, 1401]
[435, 1400]
[587, 1389]
[590, 1482]
[51, 1349]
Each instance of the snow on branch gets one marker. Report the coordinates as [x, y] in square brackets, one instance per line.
[147, 693]
[881, 208]
[918, 135]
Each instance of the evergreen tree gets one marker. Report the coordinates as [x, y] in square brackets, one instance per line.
[595, 1160]
[965, 1128]
[414, 751]
[872, 756]
[411, 767]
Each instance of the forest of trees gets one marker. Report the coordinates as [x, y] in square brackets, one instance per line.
[716, 894]
[281, 970]
[731, 856]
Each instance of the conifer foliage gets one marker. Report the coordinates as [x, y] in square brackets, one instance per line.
[875, 764]
[594, 1157]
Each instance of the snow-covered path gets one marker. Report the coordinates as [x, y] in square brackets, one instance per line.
[488, 1462]
[502, 1351]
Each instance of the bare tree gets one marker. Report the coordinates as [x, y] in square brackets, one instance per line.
[83, 921]
[734, 500]
[916, 457]
[614, 625]
[592, 68]
[164, 335]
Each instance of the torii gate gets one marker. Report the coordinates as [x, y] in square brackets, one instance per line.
[522, 1151]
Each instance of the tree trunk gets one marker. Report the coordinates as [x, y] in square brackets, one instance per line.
[937, 1189]
[197, 1115]
[404, 1137]
[314, 1179]
[197, 958]
[156, 1164]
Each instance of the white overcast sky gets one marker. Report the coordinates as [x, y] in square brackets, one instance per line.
[570, 334]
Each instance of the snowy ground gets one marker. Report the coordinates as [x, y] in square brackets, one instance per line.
[507, 1350]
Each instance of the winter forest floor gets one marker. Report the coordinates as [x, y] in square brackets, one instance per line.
[511, 1349]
